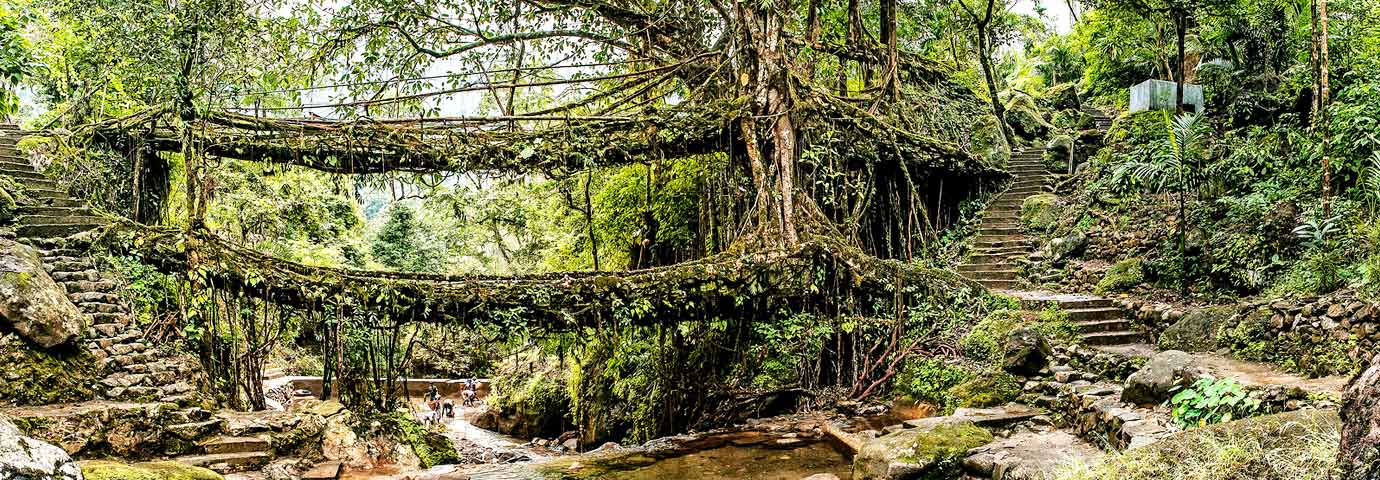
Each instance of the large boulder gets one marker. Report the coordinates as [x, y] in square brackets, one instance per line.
[933, 450]
[25, 458]
[1121, 276]
[1063, 96]
[1025, 120]
[1026, 352]
[1359, 454]
[1040, 211]
[1153, 382]
[31, 302]
[1196, 331]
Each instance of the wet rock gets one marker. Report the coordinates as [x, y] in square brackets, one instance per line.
[1152, 383]
[33, 304]
[1063, 248]
[1359, 454]
[30, 459]
[822, 476]
[930, 452]
[1027, 352]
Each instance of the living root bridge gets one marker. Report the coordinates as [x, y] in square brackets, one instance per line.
[542, 144]
[819, 275]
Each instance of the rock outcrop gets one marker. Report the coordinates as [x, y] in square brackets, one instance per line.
[1027, 352]
[32, 303]
[25, 458]
[1153, 382]
[1196, 331]
[933, 450]
[1359, 454]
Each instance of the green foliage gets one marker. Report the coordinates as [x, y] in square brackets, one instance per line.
[1210, 401]
[930, 380]
[1302, 445]
[402, 243]
[16, 60]
[1121, 276]
[985, 342]
[985, 389]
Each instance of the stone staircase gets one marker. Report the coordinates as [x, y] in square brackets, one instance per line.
[230, 454]
[133, 370]
[1001, 244]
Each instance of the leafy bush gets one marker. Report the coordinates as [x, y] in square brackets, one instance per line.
[1210, 401]
[929, 380]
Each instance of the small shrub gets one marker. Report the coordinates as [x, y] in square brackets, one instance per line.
[1210, 401]
[928, 380]
[1122, 276]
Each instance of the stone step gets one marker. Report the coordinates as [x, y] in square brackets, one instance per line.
[41, 192]
[95, 297]
[65, 277]
[991, 274]
[220, 445]
[57, 220]
[997, 284]
[227, 462]
[8, 165]
[97, 307]
[1112, 338]
[1104, 326]
[323, 471]
[28, 177]
[53, 231]
[1086, 303]
[986, 239]
[81, 286]
[55, 211]
[993, 230]
[69, 266]
[109, 319]
[1091, 314]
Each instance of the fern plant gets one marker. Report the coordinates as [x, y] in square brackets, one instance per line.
[1176, 168]
[1370, 185]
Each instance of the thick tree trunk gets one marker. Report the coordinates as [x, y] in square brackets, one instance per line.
[1323, 101]
[985, 61]
[1180, 25]
[1359, 454]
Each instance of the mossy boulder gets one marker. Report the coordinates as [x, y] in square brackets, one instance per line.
[1025, 120]
[31, 303]
[165, 470]
[1026, 351]
[988, 389]
[26, 458]
[432, 448]
[1072, 120]
[931, 452]
[1122, 276]
[1063, 248]
[1039, 212]
[1063, 96]
[38, 376]
[1059, 153]
[1196, 331]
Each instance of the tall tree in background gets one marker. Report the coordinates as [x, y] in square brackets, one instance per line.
[982, 14]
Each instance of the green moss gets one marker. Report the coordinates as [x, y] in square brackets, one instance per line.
[1196, 331]
[985, 343]
[949, 441]
[431, 448]
[40, 377]
[1300, 445]
[1122, 276]
[988, 389]
[1039, 212]
[165, 470]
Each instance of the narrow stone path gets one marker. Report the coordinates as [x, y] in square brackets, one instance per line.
[1001, 245]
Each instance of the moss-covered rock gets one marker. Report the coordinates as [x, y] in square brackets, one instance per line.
[166, 470]
[1063, 96]
[1059, 153]
[1196, 331]
[1298, 445]
[34, 376]
[988, 389]
[932, 452]
[1122, 276]
[432, 448]
[1026, 122]
[1040, 212]
[31, 303]
[1072, 120]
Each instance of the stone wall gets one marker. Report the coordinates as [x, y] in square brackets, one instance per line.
[1324, 335]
